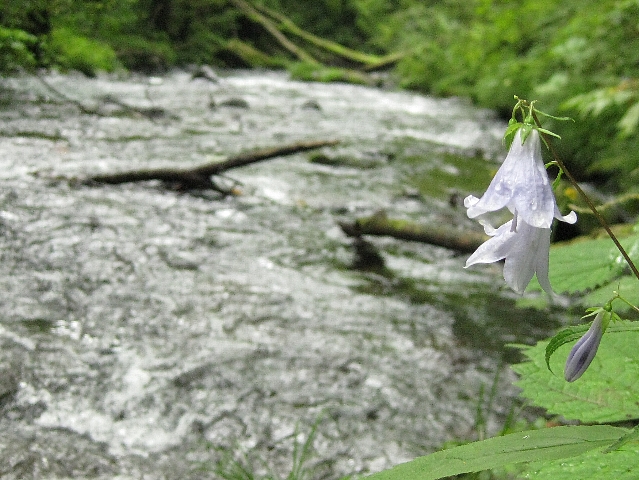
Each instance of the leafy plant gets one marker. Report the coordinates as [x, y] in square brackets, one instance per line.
[606, 393]
[80, 53]
[528, 446]
[16, 49]
[599, 385]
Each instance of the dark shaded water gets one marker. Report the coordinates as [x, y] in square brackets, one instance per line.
[143, 330]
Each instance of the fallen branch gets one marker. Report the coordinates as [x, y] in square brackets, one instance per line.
[200, 177]
[380, 225]
[285, 24]
[271, 28]
[368, 62]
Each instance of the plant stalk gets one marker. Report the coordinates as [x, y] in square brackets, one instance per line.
[587, 199]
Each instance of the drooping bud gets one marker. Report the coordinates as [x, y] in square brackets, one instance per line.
[585, 349]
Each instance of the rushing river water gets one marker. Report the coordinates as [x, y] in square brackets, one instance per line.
[146, 332]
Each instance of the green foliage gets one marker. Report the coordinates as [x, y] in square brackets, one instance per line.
[586, 264]
[607, 392]
[16, 49]
[79, 53]
[319, 73]
[591, 465]
[489, 50]
[625, 94]
[140, 54]
[594, 268]
[530, 446]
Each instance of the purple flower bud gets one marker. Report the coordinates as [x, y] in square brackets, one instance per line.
[584, 350]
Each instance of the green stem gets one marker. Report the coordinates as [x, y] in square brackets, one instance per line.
[589, 202]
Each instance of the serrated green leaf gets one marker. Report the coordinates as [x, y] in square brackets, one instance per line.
[587, 264]
[529, 446]
[607, 392]
[592, 465]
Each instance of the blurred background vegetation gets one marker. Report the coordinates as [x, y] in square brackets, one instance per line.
[578, 58]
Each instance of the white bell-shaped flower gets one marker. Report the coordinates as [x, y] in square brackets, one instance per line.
[525, 249]
[522, 185]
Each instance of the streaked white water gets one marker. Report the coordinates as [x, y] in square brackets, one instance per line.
[143, 330]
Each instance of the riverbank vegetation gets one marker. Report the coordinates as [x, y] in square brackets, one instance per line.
[578, 58]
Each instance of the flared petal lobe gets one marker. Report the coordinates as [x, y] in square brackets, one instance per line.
[525, 251]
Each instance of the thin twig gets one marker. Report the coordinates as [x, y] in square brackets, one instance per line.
[64, 97]
[589, 202]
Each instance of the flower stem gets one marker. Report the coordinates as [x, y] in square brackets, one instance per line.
[586, 198]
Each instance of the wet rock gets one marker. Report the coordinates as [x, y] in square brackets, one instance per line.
[9, 385]
[207, 73]
[235, 102]
[311, 105]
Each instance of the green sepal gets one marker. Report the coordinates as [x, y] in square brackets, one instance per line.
[513, 126]
[525, 131]
[548, 132]
[562, 119]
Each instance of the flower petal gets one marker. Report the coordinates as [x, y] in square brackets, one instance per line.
[495, 248]
[522, 185]
[529, 256]
[570, 218]
[525, 250]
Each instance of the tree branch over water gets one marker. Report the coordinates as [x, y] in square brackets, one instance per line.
[199, 178]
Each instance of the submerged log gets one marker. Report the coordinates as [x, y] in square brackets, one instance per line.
[380, 225]
[200, 177]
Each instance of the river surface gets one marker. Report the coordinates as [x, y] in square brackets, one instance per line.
[149, 333]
